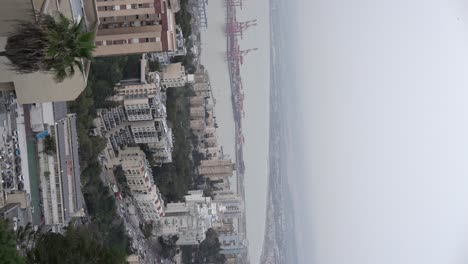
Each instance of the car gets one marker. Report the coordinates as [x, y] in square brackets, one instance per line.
[21, 177]
[17, 146]
[15, 133]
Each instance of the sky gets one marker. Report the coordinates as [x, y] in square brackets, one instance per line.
[382, 170]
[255, 77]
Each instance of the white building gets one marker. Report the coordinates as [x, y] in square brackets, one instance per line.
[189, 220]
[173, 75]
[136, 169]
[150, 204]
[140, 182]
[140, 119]
[164, 58]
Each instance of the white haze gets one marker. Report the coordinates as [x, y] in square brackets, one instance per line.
[383, 91]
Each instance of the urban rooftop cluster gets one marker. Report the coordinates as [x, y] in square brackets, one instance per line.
[49, 182]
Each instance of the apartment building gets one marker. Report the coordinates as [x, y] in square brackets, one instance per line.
[216, 169]
[173, 75]
[129, 87]
[140, 182]
[150, 205]
[137, 170]
[140, 119]
[190, 219]
[136, 26]
[164, 57]
[231, 205]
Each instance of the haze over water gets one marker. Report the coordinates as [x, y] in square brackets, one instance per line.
[378, 116]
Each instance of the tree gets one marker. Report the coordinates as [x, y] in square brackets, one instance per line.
[76, 246]
[168, 246]
[154, 65]
[8, 253]
[49, 145]
[50, 44]
[209, 249]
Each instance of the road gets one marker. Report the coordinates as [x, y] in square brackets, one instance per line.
[126, 208]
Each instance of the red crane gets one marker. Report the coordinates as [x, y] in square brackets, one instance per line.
[234, 3]
[235, 28]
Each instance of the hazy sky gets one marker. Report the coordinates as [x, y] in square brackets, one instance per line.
[384, 97]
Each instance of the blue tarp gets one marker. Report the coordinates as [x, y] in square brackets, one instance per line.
[42, 134]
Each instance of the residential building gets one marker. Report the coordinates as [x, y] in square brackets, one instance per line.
[197, 113]
[150, 204]
[140, 119]
[39, 86]
[230, 204]
[164, 57]
[216, 169]
[190, 219]
[129, 87]
[17, 210]
[137, 170]
[136, 26]
[233, 244]
[197, 101]
[173, 75]
[140, 182]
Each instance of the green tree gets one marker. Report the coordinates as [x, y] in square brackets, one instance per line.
[154, 65]
[76, 246]
[49, 44]
[49, 145]
[8, 253]
[209, 249]
[168, 246]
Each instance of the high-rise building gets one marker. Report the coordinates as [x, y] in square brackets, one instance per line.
[164, 57]
[190, 219]
[136, 26]
[230, 204]
[140, 182]
[136, 169]
[216, 169]
[140, 119]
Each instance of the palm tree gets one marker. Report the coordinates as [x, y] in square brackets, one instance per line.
[50, 44]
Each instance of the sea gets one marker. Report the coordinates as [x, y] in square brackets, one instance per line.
[280, 235]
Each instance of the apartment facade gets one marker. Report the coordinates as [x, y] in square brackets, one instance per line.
[216, 169]
[190, 219]
[140, 182]
[140, 119]
[173, 75]
[136, 26]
